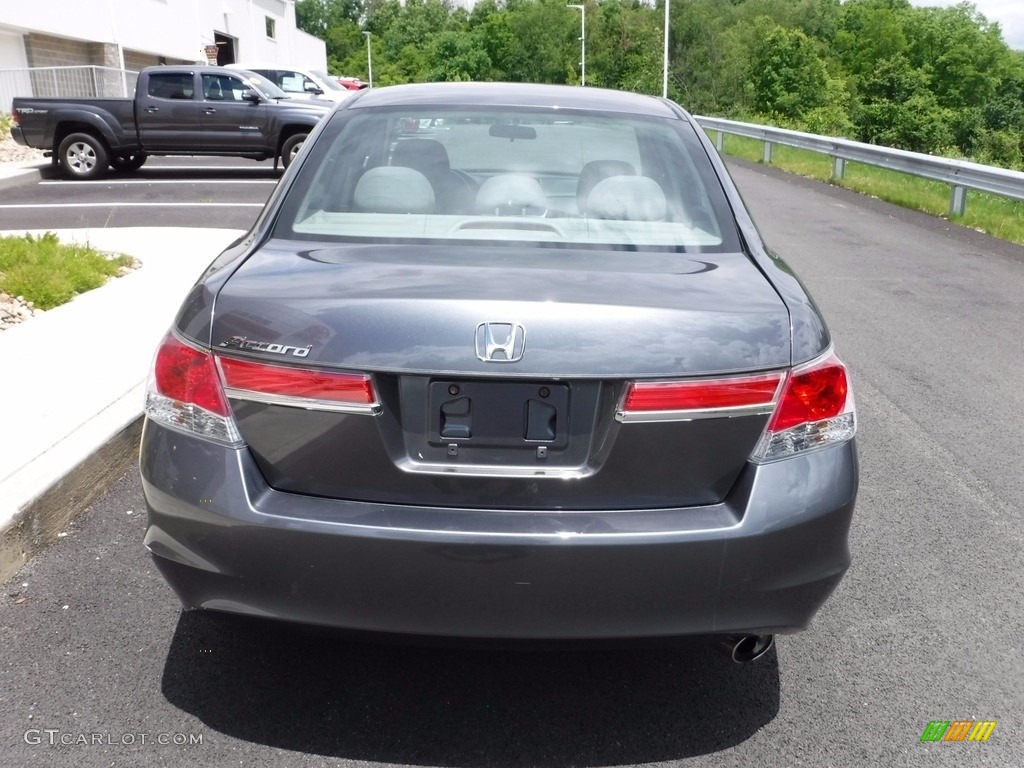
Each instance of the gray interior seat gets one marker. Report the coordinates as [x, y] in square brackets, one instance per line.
[632, 198]
[393, 189]
[511, 194]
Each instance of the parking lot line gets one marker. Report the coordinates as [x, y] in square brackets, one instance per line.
[132, 205]
[163, 181]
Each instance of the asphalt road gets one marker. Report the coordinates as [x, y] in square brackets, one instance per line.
[165, 192]
[926, 626]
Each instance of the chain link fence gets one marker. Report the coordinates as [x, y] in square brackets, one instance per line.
[65, 82]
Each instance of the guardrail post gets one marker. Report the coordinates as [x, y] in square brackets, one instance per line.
[720, 141]
[767, 156]
[838, 167]
[958, 201]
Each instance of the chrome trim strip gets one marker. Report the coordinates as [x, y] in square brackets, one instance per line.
[483, 470]
[632, 417]
[309, 404]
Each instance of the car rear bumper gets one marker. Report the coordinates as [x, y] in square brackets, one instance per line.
[18, 134]
[762, 561]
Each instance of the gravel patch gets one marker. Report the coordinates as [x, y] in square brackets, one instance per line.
[15, 310]
[12, 152]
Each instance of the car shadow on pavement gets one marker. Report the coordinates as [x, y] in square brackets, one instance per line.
[316, 692]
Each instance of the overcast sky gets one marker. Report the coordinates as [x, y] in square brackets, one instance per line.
[1009, 14]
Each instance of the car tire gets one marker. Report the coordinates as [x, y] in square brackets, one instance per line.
[290, 148]
[126, 163]
[83, 156]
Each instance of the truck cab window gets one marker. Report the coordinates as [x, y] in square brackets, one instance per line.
[171, 86]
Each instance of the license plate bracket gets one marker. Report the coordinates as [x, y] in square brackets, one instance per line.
[501, 414]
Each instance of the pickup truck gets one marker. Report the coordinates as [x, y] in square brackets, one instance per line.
[176, 111]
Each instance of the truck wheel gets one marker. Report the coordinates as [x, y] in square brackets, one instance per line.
[291, 148]
[128, 162]
[83, 156]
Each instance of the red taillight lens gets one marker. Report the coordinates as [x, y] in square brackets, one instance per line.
[189, 376]
[813, 394]
[702, 394]
[333, 386]
[815, 411]
[15, 117]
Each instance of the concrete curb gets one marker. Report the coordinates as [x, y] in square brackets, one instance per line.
[76, 398]
[39, 522]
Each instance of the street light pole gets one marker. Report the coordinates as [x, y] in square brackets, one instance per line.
[583, 41]
[369, 58]
[664, 68]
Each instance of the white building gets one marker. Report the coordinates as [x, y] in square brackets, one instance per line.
[131, 34]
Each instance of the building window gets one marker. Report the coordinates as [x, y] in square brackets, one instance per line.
[271, 28]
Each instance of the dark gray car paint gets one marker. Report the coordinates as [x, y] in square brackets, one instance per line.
[225, 540]
[408, 309]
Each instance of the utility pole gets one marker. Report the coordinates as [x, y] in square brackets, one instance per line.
[583, 41]
[369, 58]
[664, 67]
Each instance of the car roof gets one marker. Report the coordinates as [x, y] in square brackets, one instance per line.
[515, 95]
[260, 65]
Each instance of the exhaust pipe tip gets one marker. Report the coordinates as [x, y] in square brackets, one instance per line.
[746, 648]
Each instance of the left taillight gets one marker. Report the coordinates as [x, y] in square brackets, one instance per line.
[15, 117]
[185, 393]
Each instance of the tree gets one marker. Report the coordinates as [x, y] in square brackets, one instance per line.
[787, 75]
[901, 111]
[458, 56]
[317, 17]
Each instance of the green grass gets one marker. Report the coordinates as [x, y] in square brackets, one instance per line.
[49, 273]
[1000, 217]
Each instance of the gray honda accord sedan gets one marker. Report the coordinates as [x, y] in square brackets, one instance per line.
[503, 361]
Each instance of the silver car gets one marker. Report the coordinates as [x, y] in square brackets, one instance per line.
[503, 361]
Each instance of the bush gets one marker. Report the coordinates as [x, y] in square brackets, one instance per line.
[828, 121]
[1000, 148]
[918, 124]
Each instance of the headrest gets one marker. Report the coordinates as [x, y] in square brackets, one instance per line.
[424, 155]
[595, 171]
[513, 191]
[393, 189]
[632, 198]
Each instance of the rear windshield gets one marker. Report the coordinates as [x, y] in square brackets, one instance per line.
[509, 175]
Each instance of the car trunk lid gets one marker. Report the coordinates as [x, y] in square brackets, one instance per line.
[499, 371]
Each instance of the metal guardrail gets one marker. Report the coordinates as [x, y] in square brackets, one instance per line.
[961, 175]
[65, 82]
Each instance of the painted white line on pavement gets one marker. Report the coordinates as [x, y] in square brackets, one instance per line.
[133, 205]
[161, 181]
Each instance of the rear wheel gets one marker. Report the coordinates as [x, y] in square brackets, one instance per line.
[291, 148]
[83, 156]
[128, 162]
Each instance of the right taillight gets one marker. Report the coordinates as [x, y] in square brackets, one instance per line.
[815, 410]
